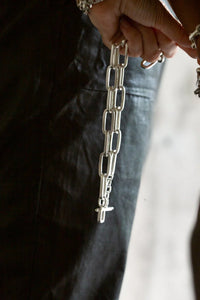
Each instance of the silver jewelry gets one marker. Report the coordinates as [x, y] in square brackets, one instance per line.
[111, 126]
[193, 37]
[111, 123]
[86, 5]
[148, 65]
[197, 91]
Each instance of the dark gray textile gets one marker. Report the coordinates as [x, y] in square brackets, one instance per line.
[52, 89]
[195, 255]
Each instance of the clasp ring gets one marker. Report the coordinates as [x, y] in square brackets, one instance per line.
[148, 65]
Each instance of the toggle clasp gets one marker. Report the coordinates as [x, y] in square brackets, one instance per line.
[102, 213]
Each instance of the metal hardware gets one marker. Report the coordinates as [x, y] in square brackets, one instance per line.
[102, 213]
[148, 65]
[111, 128]
[197, 91]
[111, 123]
[193, 37]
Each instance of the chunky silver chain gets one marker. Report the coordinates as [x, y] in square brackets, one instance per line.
[193, 39]
[112, 120]
[197, 91]
[111, 126]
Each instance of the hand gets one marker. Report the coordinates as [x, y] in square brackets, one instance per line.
[146, 25]
[189, 14]
[146, 42]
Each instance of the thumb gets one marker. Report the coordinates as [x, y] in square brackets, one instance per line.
[152, 13]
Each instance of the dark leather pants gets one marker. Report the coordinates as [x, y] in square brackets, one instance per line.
[52, 94]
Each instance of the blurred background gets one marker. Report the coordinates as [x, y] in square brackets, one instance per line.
[158, 266]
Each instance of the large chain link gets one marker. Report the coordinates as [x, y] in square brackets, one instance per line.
[111, 126]
[197, 91]
[193, 37]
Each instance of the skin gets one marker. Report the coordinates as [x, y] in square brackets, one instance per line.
[188, 13]
[147, 26]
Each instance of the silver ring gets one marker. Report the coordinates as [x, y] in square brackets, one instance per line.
[148, 65]
[194, 36]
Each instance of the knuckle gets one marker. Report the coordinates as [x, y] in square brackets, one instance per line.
[135, 51]
[169, 49]
[169, 54]
[152, 55]
[135, 45]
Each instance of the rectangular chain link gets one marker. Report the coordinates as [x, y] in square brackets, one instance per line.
[111, 123]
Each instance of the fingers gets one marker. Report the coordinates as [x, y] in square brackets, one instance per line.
[158, 30]
[117, 38]
[133, 37]
[151, 13]
[151, 48]
[145, 42]
[168, 46]
[104, 17]
[191, 52]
